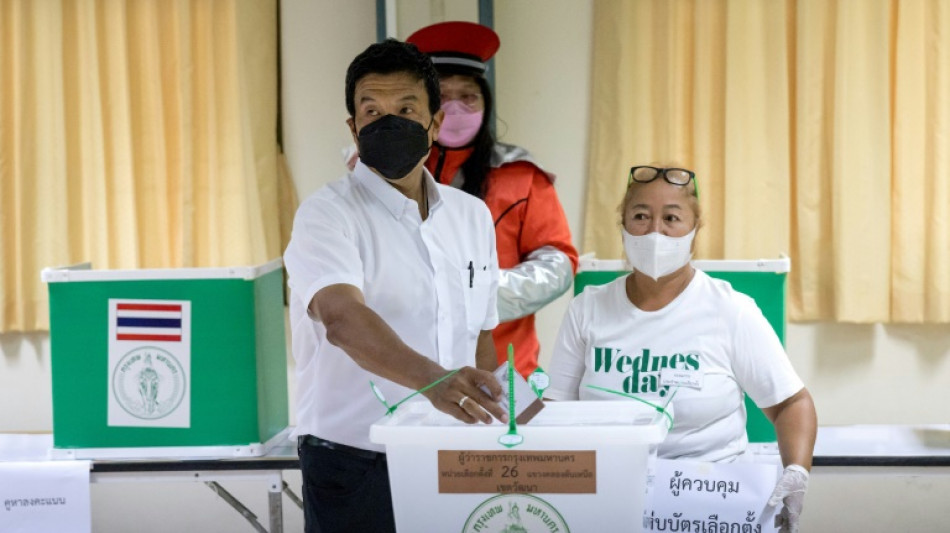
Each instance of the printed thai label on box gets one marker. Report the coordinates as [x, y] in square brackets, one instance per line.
[149, 363]
[490, 471]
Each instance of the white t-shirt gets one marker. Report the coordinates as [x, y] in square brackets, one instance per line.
[716, 337]
[434, 282]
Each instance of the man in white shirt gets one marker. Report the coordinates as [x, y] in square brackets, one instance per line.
[393, 279]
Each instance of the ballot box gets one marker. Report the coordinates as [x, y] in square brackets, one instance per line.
[582, 466]
[167, 362]
[764, 280]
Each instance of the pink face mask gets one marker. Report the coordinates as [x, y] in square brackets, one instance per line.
[460, 125]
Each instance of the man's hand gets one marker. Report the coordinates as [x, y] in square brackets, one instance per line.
[372, 344]
[461, 396]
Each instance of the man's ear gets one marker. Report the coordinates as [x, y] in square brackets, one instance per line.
[352, 124]
[436, 124]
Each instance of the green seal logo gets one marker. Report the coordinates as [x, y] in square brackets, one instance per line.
[148, 382]
[515, 513]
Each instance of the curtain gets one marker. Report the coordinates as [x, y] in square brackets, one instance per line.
[135, 135]
[819, 129]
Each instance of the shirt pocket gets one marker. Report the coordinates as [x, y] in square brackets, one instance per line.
[476, 285]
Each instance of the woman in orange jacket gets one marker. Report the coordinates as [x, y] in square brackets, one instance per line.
[535, 253]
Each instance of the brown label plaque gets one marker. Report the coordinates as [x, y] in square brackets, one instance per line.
[488, 471]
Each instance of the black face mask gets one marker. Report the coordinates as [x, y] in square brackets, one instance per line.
[393, 145]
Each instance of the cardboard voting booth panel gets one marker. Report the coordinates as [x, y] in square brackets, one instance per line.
[581, 467]
[167, 362]
[763, 280]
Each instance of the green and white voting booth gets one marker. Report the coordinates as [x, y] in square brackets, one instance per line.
[167, 362]
[763, 280]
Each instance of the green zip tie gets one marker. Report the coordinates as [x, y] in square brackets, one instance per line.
[659, 409]
[391, 408]
[512, 438]
[539, 376]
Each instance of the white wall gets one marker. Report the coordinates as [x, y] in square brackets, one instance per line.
[543, 101]
[857, 373]
[318, 41]
[873, 373]
[26, 392]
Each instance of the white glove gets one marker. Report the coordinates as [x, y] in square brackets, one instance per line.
[790, 490]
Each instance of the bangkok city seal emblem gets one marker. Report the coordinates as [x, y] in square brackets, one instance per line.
[148, 382]
[515, 513]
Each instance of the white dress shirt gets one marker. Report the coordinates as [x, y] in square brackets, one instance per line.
[434, 282]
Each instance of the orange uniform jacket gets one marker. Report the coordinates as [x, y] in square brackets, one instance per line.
[528, 216]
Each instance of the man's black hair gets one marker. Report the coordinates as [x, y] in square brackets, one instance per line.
[388, 57]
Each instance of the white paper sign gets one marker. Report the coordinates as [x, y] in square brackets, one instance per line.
[149, 363]
[45, 497]
[717, 497]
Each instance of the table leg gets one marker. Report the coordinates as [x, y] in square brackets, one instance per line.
[275, 505]
[293, 497]
[237, 505]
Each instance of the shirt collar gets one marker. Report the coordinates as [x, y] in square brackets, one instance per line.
[393, 200]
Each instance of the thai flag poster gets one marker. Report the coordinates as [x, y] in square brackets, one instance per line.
[150, 363]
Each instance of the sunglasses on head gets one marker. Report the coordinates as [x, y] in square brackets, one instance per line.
[673, 176]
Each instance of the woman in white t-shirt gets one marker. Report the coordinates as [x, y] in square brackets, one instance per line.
[668, 331]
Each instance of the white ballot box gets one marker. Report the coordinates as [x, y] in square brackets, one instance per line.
[581, 467]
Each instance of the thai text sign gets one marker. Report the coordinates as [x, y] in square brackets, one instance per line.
[698, 496]
[45, 496]
[489, 471]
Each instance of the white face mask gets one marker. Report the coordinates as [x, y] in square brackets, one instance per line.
[657, 255]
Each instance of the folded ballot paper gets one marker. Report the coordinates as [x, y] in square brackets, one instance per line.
[527, 403]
